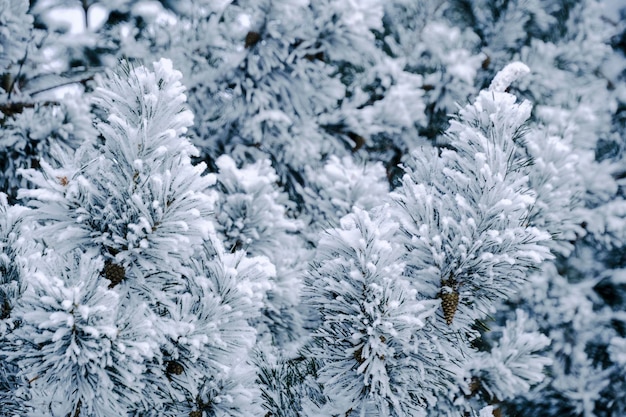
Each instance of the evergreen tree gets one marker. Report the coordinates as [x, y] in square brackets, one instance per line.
[130, 221]
[463, 216]
[372, 353]
[255, 216]
[13, 252]
[278, 275]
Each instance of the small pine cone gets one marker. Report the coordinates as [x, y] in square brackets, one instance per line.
[174, 368]
[449, 303]
[195, 413]
[252, 38]
[358, 355]
[114, 273]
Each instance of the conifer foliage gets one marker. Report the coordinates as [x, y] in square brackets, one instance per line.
[34, 126]
[321, 208]
[368, 341]
[120, 322]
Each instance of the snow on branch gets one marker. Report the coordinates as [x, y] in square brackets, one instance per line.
[371, 352]
[464, 212]
[509, 74]
[137, 194]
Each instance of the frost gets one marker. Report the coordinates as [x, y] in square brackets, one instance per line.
[15, 25]
[513, 363]
[486, 411]
[508, 75]
[280, 275]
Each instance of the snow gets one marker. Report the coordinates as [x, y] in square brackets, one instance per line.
[153, 11]
[74, 18]
[508, 75]
[486, 411]
[374, 278]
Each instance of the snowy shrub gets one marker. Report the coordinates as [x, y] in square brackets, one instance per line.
[153, 282]
[252, 215]
[330, 208]
[371, 352]
[15, 24]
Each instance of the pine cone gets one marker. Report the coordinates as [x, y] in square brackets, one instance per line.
[114, 273]
[449, 303]
[358, 355]
[174, 368]
[252, 38]
[449, 298]
[195, 413]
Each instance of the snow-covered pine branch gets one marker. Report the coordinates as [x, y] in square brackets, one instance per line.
[463, 213]
[371, 353]
[137, 196]
[514, 363]
[255, 216]
[73, 353]
[13, 252]
[136, 272]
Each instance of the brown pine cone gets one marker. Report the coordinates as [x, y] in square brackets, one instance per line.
[114, 273]
[449, 303]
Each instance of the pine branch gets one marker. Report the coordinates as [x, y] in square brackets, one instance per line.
[12, 108]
